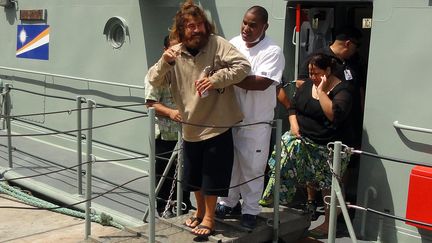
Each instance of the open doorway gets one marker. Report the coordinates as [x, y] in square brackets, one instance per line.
[318, 23]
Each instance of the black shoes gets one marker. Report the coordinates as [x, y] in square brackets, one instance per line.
[249, 221]
[310, 208]
[222, 210]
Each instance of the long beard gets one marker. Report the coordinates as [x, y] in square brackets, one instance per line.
[196, 41]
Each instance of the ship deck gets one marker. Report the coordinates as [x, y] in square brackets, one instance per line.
[127, 204]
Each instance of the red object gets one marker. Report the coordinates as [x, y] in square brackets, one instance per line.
[419, 205]
[298, 14]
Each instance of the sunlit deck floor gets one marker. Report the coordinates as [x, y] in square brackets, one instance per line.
[293, 225]
[293, 228]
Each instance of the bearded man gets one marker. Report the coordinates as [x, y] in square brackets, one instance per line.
[207, 120]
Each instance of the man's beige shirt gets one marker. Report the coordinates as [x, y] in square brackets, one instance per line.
[213, 115]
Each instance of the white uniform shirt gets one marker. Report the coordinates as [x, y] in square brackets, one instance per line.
[267, 60]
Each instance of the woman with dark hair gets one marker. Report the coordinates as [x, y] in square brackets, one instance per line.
[319, 115]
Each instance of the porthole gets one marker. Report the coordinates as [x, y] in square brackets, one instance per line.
[116, 31]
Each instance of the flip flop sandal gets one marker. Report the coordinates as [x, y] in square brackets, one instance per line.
[192, 220]
[210, 231]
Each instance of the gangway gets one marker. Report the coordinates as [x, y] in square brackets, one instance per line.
[293, 225]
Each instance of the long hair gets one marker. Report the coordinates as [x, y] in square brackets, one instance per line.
[189, 9]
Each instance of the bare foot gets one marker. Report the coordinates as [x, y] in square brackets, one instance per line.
[193, 221]
[204, 229]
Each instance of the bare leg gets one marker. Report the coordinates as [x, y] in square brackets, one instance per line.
[200, 200]
[210, 205]
[311, 192]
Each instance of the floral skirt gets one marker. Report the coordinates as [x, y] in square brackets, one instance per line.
[302, 161]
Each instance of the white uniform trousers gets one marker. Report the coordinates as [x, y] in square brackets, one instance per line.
[251, 149]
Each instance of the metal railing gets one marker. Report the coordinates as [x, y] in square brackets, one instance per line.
[337, 196]
[336, 192]
[91, 105]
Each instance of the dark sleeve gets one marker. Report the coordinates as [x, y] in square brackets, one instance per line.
[357, 64]
[362, 74]
[292, 109]
[342, 103]
[298, 94]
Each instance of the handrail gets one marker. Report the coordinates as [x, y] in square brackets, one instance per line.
[396, 124]
[74, 78]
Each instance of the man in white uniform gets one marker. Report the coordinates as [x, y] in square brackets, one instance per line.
[256, 95]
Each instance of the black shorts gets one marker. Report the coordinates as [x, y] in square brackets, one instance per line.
[208, 165]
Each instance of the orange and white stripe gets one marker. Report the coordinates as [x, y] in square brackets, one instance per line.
[39, 40]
